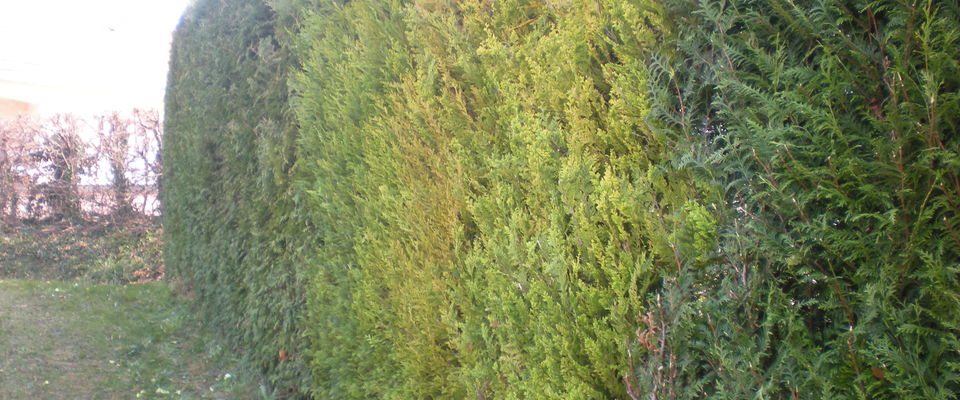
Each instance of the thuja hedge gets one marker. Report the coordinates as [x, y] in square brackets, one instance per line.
[232, 229]
[480, 174]
[832, 129]
[573, 199]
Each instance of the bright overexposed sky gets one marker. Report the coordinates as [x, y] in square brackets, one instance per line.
[86, 56]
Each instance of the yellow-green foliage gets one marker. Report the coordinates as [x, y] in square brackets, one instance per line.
[480, 170]
[572, 198]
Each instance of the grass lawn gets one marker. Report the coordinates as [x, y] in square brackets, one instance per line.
[80, 340]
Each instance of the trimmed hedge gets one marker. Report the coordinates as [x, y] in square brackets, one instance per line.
[831, 128]
[483, 203]
[572, 199]
[232, 228]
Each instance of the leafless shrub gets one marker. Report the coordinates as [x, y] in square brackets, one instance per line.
[17, 144]
[66, 167]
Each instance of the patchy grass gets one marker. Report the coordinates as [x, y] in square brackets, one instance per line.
[73, 340]
[72, 326]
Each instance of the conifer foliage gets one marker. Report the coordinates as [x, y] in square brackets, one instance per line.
[831, 128]
[232, 233]
[437, 199]
[480, 197]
